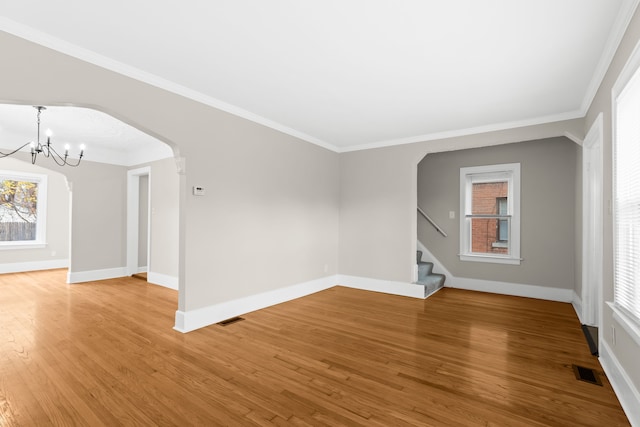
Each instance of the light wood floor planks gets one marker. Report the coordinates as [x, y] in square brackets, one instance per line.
[105, 353]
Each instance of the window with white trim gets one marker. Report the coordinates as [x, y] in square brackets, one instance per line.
[626, 195]
[23, 202]
[490, 220]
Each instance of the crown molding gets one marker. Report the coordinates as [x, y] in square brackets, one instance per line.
[578, 114]
[619, 28]
[625, 14]
[86, 55]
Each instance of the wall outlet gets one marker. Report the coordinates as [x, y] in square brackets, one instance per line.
[198, 190]
[326, 268]
[452, 214]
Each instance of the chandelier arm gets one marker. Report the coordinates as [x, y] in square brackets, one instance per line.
[51, 152]
[2, 155]
[73, 165]
[60, 160]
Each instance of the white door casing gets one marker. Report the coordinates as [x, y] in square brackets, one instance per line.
[592, 224]
[133, 209]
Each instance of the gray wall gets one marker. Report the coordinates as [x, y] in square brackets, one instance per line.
[376, 194]
[270, 216]
[548, 189]
[98, 216]
[165, 209]
[57, 217]
[378, 198]
[625, 349]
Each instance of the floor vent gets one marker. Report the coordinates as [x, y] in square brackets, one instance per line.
[587, 375]
[230, 321]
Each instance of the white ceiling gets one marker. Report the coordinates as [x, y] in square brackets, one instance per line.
[349, 75]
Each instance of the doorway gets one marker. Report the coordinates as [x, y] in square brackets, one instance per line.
[138, 221]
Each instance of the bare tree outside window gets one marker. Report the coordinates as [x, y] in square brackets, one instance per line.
[18, 210]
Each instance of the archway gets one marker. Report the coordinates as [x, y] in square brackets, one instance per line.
[98, 229]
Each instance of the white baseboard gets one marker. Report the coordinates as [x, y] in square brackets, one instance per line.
[91, 275]
[491, 286]
[576, 302]
[384, 286]
[625, 390]
[143, 269]
[190, 320]
[514, 289]
[170, 282]
[19, 267]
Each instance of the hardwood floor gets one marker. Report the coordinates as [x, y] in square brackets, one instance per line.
[105, 353]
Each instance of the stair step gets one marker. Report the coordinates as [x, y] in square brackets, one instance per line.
[432, 282]
[424, 269]
[426, 277]
[434, 278]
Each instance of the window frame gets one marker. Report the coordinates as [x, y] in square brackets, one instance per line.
[490, 173]
[41, 216]
[629, 76]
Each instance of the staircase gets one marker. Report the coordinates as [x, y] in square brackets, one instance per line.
[431, 281]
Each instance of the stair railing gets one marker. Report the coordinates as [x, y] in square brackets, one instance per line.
[432, 222]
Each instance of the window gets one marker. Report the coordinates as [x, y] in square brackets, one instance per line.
[626, 165]
[490, 220]
[23, 199]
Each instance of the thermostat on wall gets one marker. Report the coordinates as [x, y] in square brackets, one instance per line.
[198, 191]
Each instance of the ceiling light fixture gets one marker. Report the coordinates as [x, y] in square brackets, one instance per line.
[47, 149]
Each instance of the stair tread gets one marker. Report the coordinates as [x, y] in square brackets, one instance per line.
[426, 277]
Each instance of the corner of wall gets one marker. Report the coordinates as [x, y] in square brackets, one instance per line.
[164, 280]
[190, 320]
[93, 275]
[576, 302]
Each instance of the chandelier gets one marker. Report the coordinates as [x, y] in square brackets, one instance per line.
[46, 149]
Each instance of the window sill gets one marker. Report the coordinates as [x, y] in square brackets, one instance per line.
[627, 323]
[5, 246]
[490, 259]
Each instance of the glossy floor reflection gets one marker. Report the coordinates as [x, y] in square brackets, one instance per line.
[105, 353]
